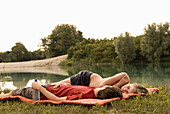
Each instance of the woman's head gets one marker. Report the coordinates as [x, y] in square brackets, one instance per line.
[134, 88]
[109, 92]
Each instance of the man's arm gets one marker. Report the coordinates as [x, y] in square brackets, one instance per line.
[49, 95]
[116, 80]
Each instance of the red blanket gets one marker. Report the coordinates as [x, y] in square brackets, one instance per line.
[81, 101]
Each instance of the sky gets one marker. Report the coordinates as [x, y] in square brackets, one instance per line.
[27, 21]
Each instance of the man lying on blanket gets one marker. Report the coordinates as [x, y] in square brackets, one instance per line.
[68, 92]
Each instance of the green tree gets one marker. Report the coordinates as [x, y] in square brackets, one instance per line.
[37, 55]
[70, 52]
[62, 38]
[109, 53]
[155, 41]
[20, 53]
[79, 54]
[96, 54]
[125, 48]
[85, 46]
[93, 51]
[44, 43]
[5, 56]
[138, 39]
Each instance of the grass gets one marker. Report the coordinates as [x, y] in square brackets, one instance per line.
[155, 103]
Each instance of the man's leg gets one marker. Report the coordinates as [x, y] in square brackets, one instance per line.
[25, 92]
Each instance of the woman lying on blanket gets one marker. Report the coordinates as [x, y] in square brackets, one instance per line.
[91, 79]
[69, 92]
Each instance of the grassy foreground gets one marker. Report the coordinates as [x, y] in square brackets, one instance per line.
[155, 103]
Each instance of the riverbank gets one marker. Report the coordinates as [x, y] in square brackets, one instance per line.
[40, 66]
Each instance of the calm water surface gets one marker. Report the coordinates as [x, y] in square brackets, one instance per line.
[147, 74]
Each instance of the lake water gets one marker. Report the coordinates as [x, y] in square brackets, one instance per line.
[147, 74]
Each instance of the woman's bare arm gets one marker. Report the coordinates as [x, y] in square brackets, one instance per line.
[114, 80]
[123, 81]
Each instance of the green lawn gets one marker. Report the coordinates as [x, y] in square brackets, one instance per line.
[155, 103]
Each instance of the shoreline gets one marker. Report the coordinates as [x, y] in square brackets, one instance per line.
[40, 66]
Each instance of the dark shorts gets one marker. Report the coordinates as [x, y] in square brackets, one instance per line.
[26, 92]
[82, 78]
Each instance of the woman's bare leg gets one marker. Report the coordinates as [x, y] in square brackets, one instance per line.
[6, 95]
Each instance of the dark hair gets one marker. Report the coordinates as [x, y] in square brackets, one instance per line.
[140, 89]
[109, 92]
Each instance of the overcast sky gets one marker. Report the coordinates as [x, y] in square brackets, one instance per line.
[27, 21]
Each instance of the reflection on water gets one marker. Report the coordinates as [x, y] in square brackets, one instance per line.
[147, 74]
[20, 80]
[7, 85]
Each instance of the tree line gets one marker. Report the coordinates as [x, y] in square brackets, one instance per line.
[152, 46]
[20, 53]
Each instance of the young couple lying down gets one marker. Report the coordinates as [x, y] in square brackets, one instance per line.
[84, 85]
